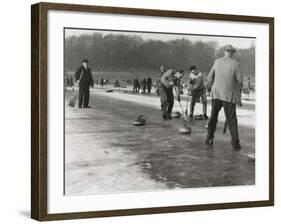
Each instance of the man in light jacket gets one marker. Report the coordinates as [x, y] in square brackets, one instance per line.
[197, 89]
[168, 79]
[226, 82]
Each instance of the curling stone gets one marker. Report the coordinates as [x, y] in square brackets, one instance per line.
[185, 130]
[109, 91]
[139, 121]
[176, 114]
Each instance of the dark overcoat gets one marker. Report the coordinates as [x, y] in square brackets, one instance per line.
[84, 76]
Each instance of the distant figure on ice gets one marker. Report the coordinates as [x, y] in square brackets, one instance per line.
[226, 81]
[168, 79]
[136, 85]
[69, 81]
[149, 84]
[143, 85]
[102, 81]
[116, 83]
[197, 90]
[83, 76]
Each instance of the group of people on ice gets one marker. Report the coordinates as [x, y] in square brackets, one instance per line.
[171, 78]
[145, 84]
[224, 80]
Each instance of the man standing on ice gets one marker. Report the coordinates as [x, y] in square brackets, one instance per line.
[227, 82]
[83, 76]
[197, 89]
[167, 81]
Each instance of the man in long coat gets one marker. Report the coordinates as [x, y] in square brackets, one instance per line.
[84, 77]
[143, 85]
[136, 85]
[149, 84]
[226, 81]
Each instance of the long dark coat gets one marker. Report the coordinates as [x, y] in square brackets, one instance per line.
[84, 76]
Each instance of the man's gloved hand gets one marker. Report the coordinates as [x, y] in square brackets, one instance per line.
[179, 98]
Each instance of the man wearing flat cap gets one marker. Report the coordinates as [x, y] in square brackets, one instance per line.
[83, 76]
[170, 79]
[226, 82]
[198, 91]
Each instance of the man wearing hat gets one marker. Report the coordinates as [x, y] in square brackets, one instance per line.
[162, 70]
[83, 76]
[226, 82]
[158, 81]
[169, 79]
[197, 89]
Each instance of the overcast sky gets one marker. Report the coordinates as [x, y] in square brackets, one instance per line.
[221, 41]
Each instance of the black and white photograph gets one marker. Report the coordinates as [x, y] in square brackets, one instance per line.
[151, 111]
[146, 111]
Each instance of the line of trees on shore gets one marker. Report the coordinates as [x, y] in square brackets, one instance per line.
[129, 53]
